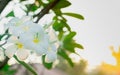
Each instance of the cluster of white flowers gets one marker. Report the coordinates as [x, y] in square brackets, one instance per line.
[27, 35]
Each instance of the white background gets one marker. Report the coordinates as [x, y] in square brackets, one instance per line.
[99, 30]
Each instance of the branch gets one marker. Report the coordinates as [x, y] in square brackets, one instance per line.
[3, 3]
[46, 9]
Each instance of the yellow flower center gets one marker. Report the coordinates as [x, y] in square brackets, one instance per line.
[19, 45]
[49, 48]
[36, 40]
[18, 23]
[26, 28]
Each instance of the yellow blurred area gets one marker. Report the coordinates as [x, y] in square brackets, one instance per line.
[112, 69]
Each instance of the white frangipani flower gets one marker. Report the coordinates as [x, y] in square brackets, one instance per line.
[15, 24]
[16, 48]
[53, 37]
[30, 27]
[31, 36]
[51, 55]
[37, 42]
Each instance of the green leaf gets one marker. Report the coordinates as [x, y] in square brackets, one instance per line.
[69, 37]
[63, 54]
[11, 14]
[62, 4]
[78, 45]
[6, 34]
[6, 70]
[22, 0]
[1, 37]
[69, 43]
[50, 0]
[26, 65]
[47, 65]
[60, 35]
[57, 12]
[78, 16]
[6, 67]
[32, 7]
[69, 47]
[66, 25]
[7, 31]
[58, 25]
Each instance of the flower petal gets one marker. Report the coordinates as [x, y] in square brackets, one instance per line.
[11, 23]
[15, 24]
[30, 27]
[1, 55]
[22, 54]
[12, 39]
[40, 50]
[10, 51]
[51, 57]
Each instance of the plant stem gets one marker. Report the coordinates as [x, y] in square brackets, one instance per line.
[46, 10]
[26, 65]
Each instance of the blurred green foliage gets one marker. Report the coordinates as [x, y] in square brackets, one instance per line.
[78, 68]
[6, 70]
